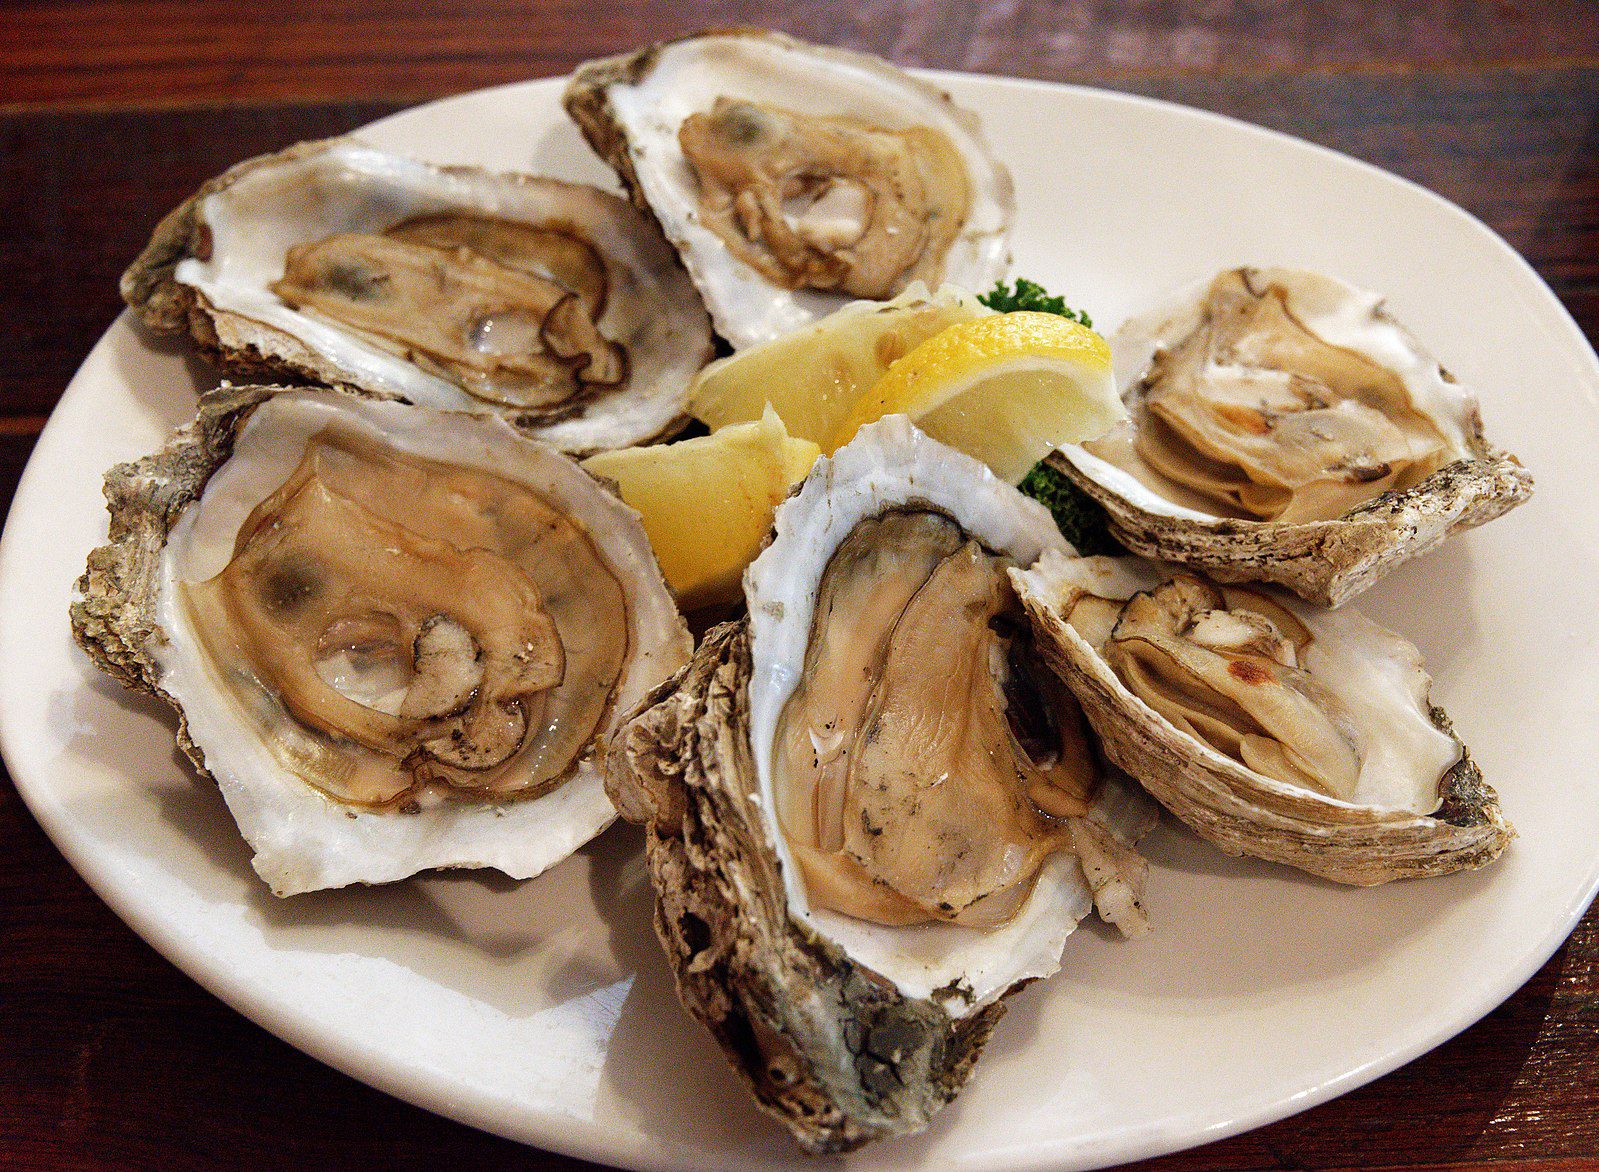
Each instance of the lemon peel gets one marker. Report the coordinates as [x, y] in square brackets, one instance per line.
[1007, 388]
[707, 503]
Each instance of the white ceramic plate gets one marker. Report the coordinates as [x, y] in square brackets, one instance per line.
[544, 1010]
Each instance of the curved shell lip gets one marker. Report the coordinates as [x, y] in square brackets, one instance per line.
[612, 100]
[1329, 561]
[890, 464]
[1325, 562]
[186, 280]
[790, 1007]
[1346, 842]
[835, 1039]
[127, 619]
[1358, 318]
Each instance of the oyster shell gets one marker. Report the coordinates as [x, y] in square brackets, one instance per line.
[794, 178]
[554, 304]
[396, 638]
[1285, 428]
[854, 1024]
[1273, 730]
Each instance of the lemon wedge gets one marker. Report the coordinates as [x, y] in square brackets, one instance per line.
[707, 503]
[814, 376]
[1008, 388]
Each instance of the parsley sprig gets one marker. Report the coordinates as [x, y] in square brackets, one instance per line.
[1030, 295]
[1080, 518]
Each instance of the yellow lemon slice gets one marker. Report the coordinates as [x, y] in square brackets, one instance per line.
[815, 375]
[707, 503]
[1008, 389]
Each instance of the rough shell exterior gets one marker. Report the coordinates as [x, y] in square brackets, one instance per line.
[1226, 803]
[1325, 562]
[246, 350]
[605, 97]
[587, 99]
[839, 1056]
[303, 840]
[114, 618]
[587, 102]
[251, 351]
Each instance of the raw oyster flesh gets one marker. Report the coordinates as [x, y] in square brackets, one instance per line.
[397, 638]
[870, 813]
[792, 178]
[1285, 428]
[554, 304]
[1271, 728]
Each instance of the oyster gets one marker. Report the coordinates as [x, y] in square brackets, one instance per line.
[1272, 729]
[869, 814]
[397, 638]
[794, 178]
[554, 304]
[1285, 428]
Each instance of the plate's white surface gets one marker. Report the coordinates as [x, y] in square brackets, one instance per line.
[544, 1010]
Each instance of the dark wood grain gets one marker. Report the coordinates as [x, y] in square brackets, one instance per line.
[90, 186]
[165, 51]
[110, 1058]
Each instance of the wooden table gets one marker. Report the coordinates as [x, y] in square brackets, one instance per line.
[116, 109]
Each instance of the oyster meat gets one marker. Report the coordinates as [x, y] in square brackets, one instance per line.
[397, 638]
[793, 178]
[870, 812]
[1285, 428]
[554, 304]
[1271, 728]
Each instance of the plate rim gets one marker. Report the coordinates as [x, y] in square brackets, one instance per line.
[586, 1139]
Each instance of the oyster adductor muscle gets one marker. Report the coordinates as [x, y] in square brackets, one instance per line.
[396, 638]
[1272, 729]
[1284, 428]
[793, 178]
[870, 811]
[553, 304]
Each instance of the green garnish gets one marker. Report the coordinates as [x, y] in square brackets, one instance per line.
[1032, 296]
[1081, 520]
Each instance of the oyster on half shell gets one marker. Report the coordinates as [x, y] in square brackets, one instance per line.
[870, 812]
[1273, 729]
[553, 304]
[794, 178]
[1284, 428]
[397, 638]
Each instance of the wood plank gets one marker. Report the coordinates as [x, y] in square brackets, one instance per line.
[80, 194]
[15, 448]
[165, 51]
